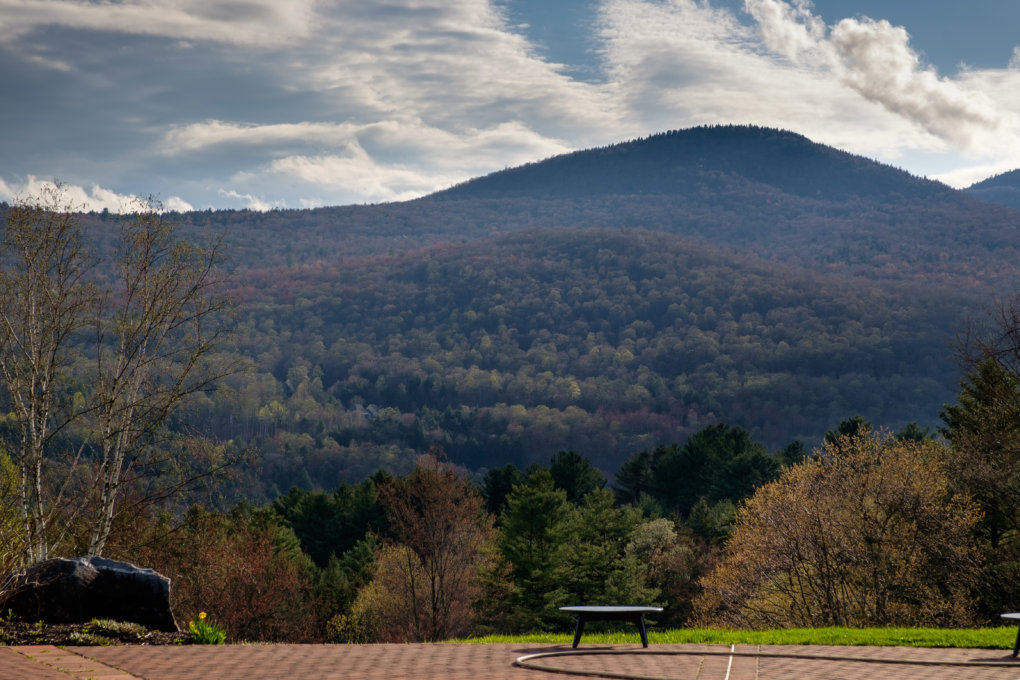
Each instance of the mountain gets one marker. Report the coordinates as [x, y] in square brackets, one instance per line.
[604, 301]
[766, 192]
[718, 159]
[1003, 189]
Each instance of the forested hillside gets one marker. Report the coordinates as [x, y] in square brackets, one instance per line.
[605, 301]
[769, 193]
[602, 341]
[680, 319]
[1003, 189]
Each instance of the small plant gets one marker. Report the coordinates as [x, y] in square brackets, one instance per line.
[101, 632]
[205, 632]
[350, 628]
[87, 638]
[111, 627]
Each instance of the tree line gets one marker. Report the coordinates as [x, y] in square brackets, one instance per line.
[872, 528]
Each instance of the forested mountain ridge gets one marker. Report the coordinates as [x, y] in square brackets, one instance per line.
[605, 341]
[772, 284]
[714, 158]
[770, 193]
[1003, 188]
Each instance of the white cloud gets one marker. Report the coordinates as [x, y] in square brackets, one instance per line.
[95, 199]
[211, 133]
[880, 64]
[454, 65]
[409, 137]
[258, 23]
[424, 159]
[251, 201]
[358, 174]
[876, 60]
[790, 29]
[178, 204]
[682, 63]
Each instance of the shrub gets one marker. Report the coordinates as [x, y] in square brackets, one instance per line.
[866, 533]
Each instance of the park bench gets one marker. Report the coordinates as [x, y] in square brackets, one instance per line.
[587, 613]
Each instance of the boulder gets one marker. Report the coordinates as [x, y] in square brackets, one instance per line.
[63, 590]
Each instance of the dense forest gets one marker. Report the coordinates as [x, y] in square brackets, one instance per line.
[603, 341]
[602, 301]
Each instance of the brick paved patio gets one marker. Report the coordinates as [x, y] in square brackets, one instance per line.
[482, 662]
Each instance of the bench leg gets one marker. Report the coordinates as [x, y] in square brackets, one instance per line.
[644, 633]
[1016, 645]
[578, 630]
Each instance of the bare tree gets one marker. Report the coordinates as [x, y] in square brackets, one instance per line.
[139, 333]
[46, 302]
[993, 335]
[161, 323]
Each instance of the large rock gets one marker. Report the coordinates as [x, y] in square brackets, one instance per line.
[62, 590]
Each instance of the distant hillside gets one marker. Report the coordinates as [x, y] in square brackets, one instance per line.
[603, 301]
[774, 194]
[713, 158]
[602, 341]
[1003, 189]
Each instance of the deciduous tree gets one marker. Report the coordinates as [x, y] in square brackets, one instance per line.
[868, 532]
[674, 565]
[46, 302]
[101, 353]
[158, 326]
[427, 580]
[243, 568]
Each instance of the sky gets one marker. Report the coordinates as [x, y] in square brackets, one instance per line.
[267, 104]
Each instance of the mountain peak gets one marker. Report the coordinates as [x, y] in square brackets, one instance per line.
[715, 158]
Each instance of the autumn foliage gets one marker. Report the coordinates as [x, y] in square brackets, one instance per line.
[243, 571]
[427, 578]
[866, 533]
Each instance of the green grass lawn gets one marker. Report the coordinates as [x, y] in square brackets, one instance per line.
[978, 638]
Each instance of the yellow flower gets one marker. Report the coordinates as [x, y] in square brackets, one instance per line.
[201, 615]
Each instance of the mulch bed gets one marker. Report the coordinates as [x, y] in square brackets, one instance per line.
[95, 633]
